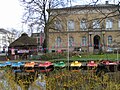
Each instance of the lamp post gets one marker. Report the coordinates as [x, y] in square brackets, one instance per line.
[68, 51]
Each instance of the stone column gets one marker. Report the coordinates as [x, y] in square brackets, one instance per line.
[90, 42]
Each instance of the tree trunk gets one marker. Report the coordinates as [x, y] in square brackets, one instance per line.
[45, 44]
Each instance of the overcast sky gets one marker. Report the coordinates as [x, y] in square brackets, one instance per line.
[11, 12]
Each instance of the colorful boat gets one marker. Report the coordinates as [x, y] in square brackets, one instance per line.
[17, 67]
[106, 66]
[91, 65]
[2, 65]
[75, 65]
[45, 67]
[59, 65]
[108, 62]
[29, 67]
[109, 65]
[8, 63]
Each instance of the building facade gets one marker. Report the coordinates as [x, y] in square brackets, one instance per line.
[6, 37]
[39, 37]
[91, 27]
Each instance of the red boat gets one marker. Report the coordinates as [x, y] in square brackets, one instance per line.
[45, 67]
[108, 62]
[91, 65]
[106, 66]
[110, 65]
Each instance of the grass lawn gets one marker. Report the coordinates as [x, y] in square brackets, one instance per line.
[97, 57]
[88, 57]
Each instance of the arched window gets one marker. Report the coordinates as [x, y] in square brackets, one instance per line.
[71, 41]
[84, 41]
[109, 39]
[58, 41]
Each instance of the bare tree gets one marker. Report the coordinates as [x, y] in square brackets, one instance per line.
[37, 17]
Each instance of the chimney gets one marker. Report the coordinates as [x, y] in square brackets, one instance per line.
[106, 2]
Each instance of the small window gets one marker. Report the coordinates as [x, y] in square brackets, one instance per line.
[70, 25]
[109, 40]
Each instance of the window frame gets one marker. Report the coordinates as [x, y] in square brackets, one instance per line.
[84, 41]
[58, 41]
[58, 25]
[110, 39]
[96, 24]
[83, 25]
[109, 24]
[71, 25]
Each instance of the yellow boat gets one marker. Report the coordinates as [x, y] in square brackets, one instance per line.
[75, 65]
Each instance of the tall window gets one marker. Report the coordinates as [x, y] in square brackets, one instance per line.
[58, 25]
[109, 40]
[71, 41]
[71, 25]
[109, 24]
[84, 41]
[58, 41]
[83, 25]
[96, 24]
[3, 39]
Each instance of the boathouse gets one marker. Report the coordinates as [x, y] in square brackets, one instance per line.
[22, 48]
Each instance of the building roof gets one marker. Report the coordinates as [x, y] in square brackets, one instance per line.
[81, 7]
[24, 40]
[4, 31]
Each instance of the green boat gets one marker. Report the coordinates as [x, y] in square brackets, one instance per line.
[60, 64]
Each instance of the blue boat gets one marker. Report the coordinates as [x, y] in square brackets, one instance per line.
[17, 67]
[21, 63]
[2, 65]
[8, 63]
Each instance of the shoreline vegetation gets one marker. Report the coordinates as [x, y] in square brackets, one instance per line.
[64, 80]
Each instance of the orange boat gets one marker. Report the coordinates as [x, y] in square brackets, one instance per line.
[29, 67]
[45, 67]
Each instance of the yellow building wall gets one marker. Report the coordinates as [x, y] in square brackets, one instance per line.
[77, 34]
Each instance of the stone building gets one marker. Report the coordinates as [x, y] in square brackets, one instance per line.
[91, 27]
[40, 39]
[6, 37]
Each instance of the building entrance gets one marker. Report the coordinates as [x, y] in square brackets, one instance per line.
[97, 42]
